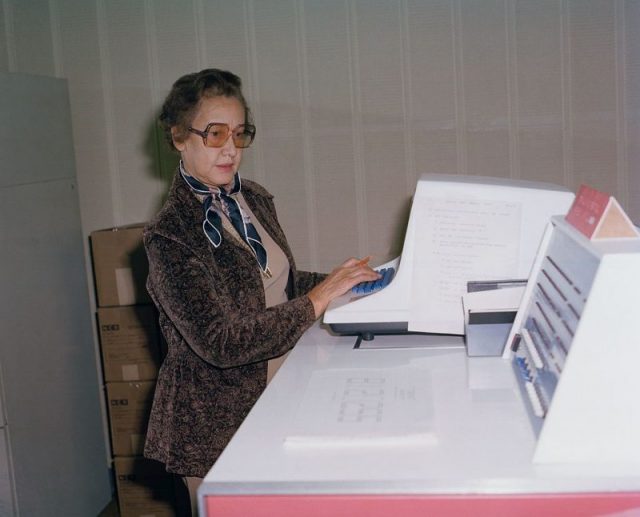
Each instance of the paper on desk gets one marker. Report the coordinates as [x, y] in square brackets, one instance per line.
[461, 240]
[364, 408]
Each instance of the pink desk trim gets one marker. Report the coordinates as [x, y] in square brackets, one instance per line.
[565, 505]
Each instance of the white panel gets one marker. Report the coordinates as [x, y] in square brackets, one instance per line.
[333, 160]
[48, 358]
[378, 37]
[3, 414]
[131, 114]
[593, 94]
[430, 67]
[281, 143]
[576, 369]
[172, 37]
[225, 37]
[632, 107]
[538, 64]
[486, 101]
[360, 66]
[23, 136]
[81, 63]
[33, 39]
[6, 39]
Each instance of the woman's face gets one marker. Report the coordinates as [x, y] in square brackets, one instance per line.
[215, 167]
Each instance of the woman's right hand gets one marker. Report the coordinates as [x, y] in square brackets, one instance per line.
[339, 281]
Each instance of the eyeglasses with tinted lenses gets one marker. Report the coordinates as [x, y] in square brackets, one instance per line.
[216, 134]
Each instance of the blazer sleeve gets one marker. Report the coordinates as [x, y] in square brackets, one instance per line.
[306, 280]
[211, 318]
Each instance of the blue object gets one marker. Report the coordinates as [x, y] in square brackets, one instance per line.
[373, 286]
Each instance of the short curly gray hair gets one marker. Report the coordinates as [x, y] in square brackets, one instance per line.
[183, 100]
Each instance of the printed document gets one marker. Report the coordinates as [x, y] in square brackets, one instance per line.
[461, 240]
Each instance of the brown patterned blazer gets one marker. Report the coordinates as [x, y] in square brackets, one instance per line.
[218, 331]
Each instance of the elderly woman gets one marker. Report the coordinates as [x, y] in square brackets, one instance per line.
[223, 278]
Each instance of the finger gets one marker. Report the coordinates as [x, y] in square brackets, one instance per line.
[364, 260]
[350, 262]
[353, 262]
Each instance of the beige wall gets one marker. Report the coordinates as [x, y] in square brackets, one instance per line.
[353, 99]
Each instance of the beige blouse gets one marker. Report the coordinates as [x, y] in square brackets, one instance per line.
[275, 285]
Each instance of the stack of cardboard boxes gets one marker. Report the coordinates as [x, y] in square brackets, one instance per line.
[131, 352]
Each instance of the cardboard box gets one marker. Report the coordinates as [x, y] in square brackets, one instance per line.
[120, 266]
[144, 488]
[129, 342]
[129, 407]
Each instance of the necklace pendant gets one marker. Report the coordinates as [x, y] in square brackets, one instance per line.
[266, 273]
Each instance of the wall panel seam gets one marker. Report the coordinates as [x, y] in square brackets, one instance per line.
[511, 53]
[151, 31]
[458, 86]
[250, 35]
[356, 110]
[566, 88]
[10, 36]
[200, 34]
[407, 99]
[56, 44]
[622, 165]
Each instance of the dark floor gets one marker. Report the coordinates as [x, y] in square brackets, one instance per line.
[111, 510]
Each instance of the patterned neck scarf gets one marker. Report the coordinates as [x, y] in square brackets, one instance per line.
[228, 203]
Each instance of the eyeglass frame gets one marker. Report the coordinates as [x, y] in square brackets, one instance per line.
[231, 133]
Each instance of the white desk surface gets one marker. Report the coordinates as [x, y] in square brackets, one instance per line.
[483, 442]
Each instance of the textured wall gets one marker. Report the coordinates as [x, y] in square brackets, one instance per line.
[353, 99]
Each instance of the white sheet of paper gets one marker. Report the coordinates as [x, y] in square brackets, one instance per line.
[364, 407]
[461, 240]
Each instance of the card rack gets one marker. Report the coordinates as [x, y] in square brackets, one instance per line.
[575, 350]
